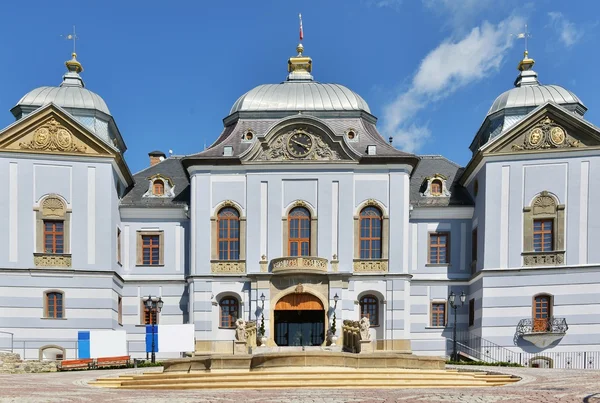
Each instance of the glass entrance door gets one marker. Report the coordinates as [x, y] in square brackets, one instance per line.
[299, 328]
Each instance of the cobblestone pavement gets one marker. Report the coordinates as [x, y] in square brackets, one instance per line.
[537, 385]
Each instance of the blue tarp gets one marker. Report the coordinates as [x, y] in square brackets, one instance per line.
[149, 332]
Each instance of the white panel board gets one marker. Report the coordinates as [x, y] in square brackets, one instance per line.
[176, 338]
[108, 343]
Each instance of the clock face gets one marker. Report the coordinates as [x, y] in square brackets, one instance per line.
[299, 144]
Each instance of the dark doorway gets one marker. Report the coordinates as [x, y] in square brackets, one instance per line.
[299, 328]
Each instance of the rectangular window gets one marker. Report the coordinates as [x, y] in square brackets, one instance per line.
[120, 310]
[54, 305]
[54, 236]
[471, 311]
[439, 248]
[150, 250]
[543, 235]
[118, 245]
[149, 317]
[438, 314]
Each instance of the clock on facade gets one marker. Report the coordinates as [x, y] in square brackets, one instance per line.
[299, 144]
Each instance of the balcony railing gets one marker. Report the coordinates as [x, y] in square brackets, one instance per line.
[542, 332]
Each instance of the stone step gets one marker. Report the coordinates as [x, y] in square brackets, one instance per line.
[297, 378]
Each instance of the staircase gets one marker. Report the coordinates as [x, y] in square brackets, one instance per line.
[307, 378]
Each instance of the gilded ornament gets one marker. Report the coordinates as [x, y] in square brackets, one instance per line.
[52, 136]
[546, 134]
[557, 136]
[53, 207]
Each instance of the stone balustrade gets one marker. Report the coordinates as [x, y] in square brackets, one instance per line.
[299, 264]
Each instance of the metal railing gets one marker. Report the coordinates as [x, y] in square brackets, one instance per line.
[480, 349]
[7, 341]
[549, 325]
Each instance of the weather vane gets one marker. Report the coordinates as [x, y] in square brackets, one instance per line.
[524, 35]
[71, 37]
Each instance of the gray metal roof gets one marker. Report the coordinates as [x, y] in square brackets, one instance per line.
[65, 97]
[300, 96]
[436, 164]
[169, 168]
[533, 95]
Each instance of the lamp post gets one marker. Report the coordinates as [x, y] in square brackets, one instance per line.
[153, 305]
[333, 337]
[263, 339]
[452, 298]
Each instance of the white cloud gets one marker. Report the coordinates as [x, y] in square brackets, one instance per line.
[452, 65]
[459, 13]
[566, 30]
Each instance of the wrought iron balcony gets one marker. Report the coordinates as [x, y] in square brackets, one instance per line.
[542, 332]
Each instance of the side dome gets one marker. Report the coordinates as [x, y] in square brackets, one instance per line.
[300, 96]
[71, 95]
[534, 95]
[514, 105]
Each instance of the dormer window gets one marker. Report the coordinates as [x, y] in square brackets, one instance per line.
[435, 186]
[160, 186]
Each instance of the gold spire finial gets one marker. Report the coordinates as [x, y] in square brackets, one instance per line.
[73, 64]
[527, 63]
[300, 66]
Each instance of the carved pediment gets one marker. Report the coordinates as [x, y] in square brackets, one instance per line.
[50, 131]
[299, 144]
[545, 132]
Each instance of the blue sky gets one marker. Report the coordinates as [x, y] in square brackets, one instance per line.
[170, 70]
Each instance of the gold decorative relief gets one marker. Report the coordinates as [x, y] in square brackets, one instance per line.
[546, 134]
[310, 147]
[227, 266]
[51, 260]
[52, 136]
[370, 266]
[544, 204]
[318, 264]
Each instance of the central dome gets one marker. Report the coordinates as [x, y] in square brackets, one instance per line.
[300, 96]
[300, 93]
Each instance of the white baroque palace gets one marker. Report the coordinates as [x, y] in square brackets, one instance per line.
[301, 213]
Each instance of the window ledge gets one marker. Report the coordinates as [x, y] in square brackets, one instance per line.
[435, 327]
[149, 265]
[438, 265]
[543, 258]
[370, 265]
[54, 318]
[228, 266]
[52, 259]
[226, 328]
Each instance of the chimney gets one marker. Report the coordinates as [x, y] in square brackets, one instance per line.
[156, 157]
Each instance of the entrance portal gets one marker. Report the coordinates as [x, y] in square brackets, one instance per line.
[299, 321]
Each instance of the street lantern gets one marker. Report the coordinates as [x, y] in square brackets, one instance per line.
[336, 298]
[153, 305]
[262, 299]
[451, 300]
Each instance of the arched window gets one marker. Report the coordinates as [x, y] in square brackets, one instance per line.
[229, 307]
[369, 308]
[158, 188]
[370, 233]
[436, 187]
[54, 306]
[229, 234]
[542, 312]
[299, 232]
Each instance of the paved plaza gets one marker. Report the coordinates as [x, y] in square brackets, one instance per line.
[537, 385]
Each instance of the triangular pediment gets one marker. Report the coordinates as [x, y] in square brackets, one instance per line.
[549, 128]
[300, 139]
[51, 130]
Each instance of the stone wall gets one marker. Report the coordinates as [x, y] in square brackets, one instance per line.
[11, 363]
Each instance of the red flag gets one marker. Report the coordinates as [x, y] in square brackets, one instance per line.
[301, 31]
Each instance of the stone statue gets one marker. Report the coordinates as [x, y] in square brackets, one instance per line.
[240, 330]
[365, 327]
